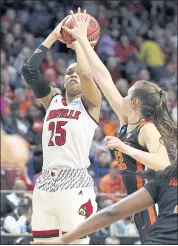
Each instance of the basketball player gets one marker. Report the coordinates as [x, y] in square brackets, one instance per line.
[145, 124]
[64, 194]
[14, 150]
[162, 190]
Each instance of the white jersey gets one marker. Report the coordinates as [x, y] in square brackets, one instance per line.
[68, 132]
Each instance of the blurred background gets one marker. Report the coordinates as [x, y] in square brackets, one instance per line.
[126, 26]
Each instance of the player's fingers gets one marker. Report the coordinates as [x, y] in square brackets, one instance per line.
[79, 10]
[107, 138]
[64, 19]
[79, 14]
[70, 31]
[84, 15]
[87, 19]
[73, 17]
[92, 43]
[111, 146]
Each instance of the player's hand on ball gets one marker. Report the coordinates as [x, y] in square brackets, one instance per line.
[80, 29]
[49, 242]
[115, 143]
[56, 33]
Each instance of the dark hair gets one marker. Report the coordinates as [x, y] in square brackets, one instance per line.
[154, 107]
[163, 175]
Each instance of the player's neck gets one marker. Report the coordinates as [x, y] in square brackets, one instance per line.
[134, 120]
[69, 98]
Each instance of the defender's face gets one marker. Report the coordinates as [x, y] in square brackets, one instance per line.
[72, 81]
[127, 104]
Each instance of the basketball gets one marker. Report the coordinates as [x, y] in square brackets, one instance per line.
[93, 31]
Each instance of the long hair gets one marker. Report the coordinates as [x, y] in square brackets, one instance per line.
[154, 107]
[162, 175]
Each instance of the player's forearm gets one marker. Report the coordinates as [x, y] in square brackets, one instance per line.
[49, 41]
[82, 63]
[122, 209]
[89, 88]
[92, 224]
[152, 160]
[102, 76]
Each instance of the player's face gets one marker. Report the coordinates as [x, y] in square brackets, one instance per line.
[72, 81]
[127, 106]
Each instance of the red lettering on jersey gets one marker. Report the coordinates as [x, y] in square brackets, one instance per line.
[173, 182]
[76, 116]
[70, 116]
[63, 113]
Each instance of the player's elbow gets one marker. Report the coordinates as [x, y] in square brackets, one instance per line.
[25, 68]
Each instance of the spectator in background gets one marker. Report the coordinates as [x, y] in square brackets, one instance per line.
[60, 67]
[10, 69]
[21, 58]
[23, 177]
[112, 65]
[105, 46]
[112, 183]
[124, 49]
[102, 160]
[19, 121]
[122, 86]
[110, 127]
[97, 143]
[112, 241]
[21, 99]
[142, 75]
[11, 201]
[18, 221]
[8, 177]
[151, 53]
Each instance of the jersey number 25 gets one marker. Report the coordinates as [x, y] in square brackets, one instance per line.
[58, 133]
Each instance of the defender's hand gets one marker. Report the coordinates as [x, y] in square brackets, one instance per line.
[80, 29]
[115, 143]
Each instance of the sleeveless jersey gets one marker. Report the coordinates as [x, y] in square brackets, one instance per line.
[126, 163]
[68, 131]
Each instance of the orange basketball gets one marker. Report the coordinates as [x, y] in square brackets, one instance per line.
[93, 31]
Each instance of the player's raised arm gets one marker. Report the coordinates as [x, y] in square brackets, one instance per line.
[31, 73]
[120, 210]
[90, 93]
[99, 71]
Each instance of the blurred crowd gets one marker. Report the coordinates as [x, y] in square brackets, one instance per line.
[138, 41]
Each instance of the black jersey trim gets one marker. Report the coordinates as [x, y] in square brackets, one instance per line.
[88, 112]
[53, 97]
[142, 124]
